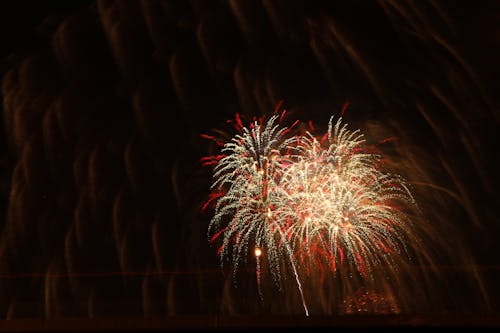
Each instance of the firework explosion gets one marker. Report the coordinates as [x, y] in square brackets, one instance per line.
[304, 203]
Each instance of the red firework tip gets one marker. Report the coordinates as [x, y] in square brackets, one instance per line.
[278, 107]
[290, 128]
[211, 160]
[384, 248]
[238, 121]
[333, 264]
[282, 115]
[324, 138]
[213, 138]
[211, 197]
[344, 108]
[341, 253]
[389, 139]
[311, 126]
[215, 236]
[360, 264]
[206, 136]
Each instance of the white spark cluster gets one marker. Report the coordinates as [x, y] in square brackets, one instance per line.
[306, 201]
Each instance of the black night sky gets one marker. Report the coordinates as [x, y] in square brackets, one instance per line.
[103, 105]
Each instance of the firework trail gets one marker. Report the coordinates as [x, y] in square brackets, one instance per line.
[309, 203]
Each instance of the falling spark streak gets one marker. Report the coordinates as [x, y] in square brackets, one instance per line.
[307, 203]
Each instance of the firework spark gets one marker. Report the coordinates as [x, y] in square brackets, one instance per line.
[308, 203]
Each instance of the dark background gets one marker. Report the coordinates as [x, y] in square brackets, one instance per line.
[198, 98]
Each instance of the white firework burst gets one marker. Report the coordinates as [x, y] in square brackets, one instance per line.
[305, 202]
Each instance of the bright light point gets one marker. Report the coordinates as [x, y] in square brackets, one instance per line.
[257, 252]
[336, 228]
[269, 213]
